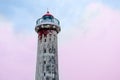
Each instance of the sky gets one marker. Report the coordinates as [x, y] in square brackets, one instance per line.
[88, 44]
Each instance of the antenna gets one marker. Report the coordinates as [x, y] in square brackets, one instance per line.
[47, 10]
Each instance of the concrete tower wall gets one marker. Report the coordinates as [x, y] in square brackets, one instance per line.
[47, 57]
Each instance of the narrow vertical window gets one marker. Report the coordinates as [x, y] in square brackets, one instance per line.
[45, 40]
[44, 62]
[44, 50]
[44, 74]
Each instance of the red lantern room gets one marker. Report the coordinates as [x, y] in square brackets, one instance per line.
[47, 21]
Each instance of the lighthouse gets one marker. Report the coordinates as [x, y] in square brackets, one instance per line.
[47, 28]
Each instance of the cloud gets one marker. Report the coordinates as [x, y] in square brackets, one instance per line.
[17, 53]
[92, 49]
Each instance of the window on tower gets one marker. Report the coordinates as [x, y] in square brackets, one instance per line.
[44, 40]
[53, 50]
[47, 78]
[44, 50]
[50, 35]
[50, 50]
[53, 78]
[44, 74]
[48, 67]
[44, 62]
[53, 60]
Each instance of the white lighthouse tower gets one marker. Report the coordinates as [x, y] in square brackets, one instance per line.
[47, 28]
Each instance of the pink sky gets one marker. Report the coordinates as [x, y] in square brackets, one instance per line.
[88, 50]
[94, 53]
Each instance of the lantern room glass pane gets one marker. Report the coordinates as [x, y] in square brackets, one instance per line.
[47, 19]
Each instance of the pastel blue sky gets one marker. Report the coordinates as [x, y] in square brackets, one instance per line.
[23, 13]
[89, 41]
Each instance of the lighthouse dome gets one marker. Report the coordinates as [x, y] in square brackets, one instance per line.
[48, 15]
